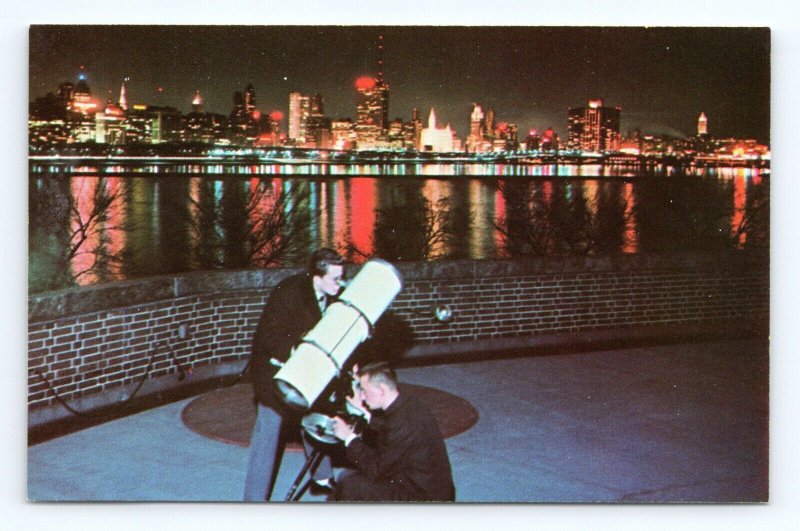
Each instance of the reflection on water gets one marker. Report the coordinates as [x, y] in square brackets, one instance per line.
[89, 226]
[396, 169]
[630, 238]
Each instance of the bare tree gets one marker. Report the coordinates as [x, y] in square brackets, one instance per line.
[280, 232]
[561, 220]
[252, 224]
[91, 230]
[71, 222]
[752, 231]
[413, 229]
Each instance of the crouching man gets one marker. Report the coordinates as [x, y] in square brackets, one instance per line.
[400, 456]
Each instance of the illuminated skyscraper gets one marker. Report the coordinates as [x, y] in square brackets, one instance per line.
[416, 124]
[82, 102]
[505, 137]
[372, 106]
[343, 134]
[318, 128]
[244, 105]
[81, 108]
[549, 140]
[489, 124]
[110, 125]
[476, 122]
[532, 141]
[396, 134]
[249, 100]
[702, 124]
[368, 113]
[245, 118]
[307, 123]
[316, 106]
[703, 142]
[435, 139]
[383, 89]
[477, 141]
[197, 102]
[632, 143]
[298, 116]
[65, 91]
[594, 128]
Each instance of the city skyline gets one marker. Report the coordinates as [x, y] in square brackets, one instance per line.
[662, 78]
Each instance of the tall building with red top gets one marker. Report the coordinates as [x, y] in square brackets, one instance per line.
[372, 107]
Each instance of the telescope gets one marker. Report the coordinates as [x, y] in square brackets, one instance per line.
[345, 324]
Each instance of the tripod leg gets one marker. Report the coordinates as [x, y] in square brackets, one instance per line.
[311, 464]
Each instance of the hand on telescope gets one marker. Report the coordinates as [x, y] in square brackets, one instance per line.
[356, 404]
[342, 430]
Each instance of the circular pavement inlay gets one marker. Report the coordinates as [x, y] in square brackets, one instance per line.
[228, 414]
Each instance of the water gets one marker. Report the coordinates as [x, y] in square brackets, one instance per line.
[97, 223]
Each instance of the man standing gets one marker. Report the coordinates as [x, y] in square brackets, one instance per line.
[401, 455]
[293, 308]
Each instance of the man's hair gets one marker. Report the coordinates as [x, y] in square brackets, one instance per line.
[379, 372]
[320, 260]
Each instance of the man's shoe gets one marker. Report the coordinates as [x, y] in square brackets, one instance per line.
[322, 487]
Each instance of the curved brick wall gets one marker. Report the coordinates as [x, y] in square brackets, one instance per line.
[93, 344]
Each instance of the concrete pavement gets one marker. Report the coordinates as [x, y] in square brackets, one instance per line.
[671, 423]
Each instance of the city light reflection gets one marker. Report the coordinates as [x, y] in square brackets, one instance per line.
[739, 203]
[631, 236]
[148, 219]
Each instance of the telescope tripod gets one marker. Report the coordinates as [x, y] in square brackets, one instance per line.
[319, 428]
[310, 466]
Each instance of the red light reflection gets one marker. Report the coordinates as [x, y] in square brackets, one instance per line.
[91, 237]
[739, 203]
[500, 214]
[363, 196]
[631, 236]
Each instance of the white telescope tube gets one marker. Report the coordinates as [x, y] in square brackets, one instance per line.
[346, 323]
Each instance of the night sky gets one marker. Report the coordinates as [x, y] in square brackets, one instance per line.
[662, 78]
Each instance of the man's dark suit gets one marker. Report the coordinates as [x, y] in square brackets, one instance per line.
[401, 457]
[291, 311]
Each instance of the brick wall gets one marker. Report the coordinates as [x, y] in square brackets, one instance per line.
[95, 344]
